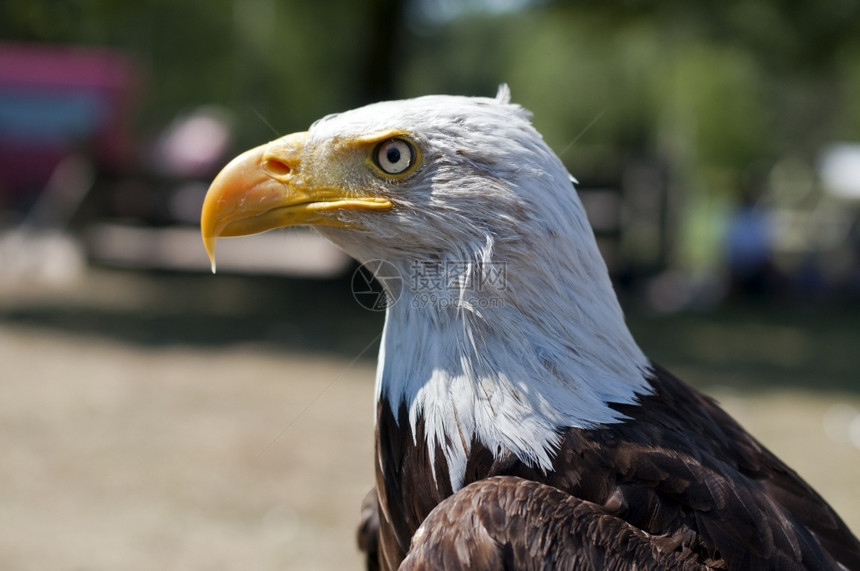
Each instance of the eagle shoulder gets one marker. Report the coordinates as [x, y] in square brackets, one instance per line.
[682, 463]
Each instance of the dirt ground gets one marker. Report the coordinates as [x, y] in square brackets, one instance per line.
[202, 423]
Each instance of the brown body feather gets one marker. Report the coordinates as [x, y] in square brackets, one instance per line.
[680, 485]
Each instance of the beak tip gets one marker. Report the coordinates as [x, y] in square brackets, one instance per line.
[209, 245]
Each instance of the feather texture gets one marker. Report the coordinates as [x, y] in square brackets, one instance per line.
[657, 491]
[518, 423]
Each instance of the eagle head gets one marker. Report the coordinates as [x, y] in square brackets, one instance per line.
[432, 178]
[530, 331]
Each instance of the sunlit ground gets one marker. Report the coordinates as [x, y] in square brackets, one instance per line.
[209, 422]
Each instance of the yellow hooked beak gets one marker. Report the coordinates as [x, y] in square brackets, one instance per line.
[271, 186]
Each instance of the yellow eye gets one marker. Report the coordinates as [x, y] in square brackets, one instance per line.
[394, 156]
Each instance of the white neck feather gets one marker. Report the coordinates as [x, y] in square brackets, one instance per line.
[513, 361]
[507, 361]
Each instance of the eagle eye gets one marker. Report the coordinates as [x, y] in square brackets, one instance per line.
[394, 156]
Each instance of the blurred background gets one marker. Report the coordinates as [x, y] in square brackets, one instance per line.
[155, 416]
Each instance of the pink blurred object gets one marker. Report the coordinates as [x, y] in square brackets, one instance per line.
[59, 100]
[194, 145]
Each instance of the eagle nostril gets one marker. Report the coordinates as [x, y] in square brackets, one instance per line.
[276, 167]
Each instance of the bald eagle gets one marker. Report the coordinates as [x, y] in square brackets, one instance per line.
[518, 424]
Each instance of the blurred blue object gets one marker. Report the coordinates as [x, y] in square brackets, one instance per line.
[57, 101]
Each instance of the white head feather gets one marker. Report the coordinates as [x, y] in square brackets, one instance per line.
[524, 335]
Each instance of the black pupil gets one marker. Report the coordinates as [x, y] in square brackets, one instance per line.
[393, 155]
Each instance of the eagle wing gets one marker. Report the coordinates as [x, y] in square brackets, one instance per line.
[506, 522]
[684, 463]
